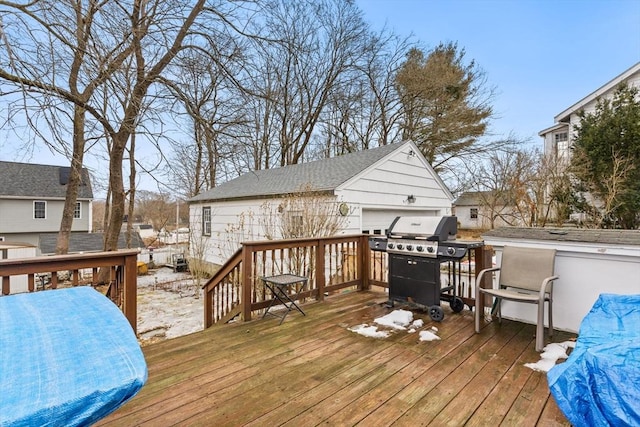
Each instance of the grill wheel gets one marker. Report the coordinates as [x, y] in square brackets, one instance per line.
[436, 313]
[456, 304]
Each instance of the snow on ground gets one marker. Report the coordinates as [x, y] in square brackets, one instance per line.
[550, 355]
[169, 305]
[397, 320]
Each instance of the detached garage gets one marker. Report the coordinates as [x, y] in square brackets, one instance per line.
[356, 192]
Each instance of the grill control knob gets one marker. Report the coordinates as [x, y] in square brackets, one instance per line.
[409, 247]
[430, 249]
[451, 251]
[390, 245]
[400, 246]
[419, 248]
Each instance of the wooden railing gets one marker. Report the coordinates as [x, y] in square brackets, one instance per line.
[330, 263]
[122, 278]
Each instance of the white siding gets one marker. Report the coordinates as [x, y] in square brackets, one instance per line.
[232, 223]
[374, 197]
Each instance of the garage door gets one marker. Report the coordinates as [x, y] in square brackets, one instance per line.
[377, 221]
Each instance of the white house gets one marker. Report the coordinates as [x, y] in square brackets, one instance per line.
[482, 210]
[558, 138]
[370, 187]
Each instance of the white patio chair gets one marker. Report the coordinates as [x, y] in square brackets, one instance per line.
[525, 275]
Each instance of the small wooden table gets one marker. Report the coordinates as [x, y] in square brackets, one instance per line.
[279, 287]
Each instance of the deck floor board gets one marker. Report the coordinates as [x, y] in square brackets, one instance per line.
[312, 370]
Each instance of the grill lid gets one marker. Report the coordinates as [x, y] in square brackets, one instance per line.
[432, 228]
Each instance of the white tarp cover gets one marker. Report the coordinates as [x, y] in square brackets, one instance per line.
[68, 357]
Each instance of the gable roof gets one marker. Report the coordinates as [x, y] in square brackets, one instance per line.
[321, 175]
[476, 198]
[39, 181]
[86, 242]
[470, 198]
[565, 115]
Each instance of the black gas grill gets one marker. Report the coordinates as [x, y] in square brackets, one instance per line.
[416, 247]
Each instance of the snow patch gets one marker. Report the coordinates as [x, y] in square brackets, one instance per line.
[550, 355]
[397, 320]
[429, 335]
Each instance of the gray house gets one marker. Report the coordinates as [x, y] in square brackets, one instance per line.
[32, 199]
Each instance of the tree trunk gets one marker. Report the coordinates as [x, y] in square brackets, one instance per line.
[73, 184]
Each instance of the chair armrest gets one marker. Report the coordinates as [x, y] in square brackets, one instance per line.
[548, 282]
[481, 276]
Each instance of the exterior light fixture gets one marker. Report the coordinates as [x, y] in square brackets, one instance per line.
[411, 198]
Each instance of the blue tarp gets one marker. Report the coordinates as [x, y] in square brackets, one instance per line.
[68, 357]
[599, 384]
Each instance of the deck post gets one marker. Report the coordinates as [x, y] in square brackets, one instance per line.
[364, 255]
[320, 279]
[483, 257]
[130, 302]
[246, 280]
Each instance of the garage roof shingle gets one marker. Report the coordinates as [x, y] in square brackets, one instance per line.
[320, 175]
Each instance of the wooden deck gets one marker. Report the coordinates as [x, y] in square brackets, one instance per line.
[311, 370]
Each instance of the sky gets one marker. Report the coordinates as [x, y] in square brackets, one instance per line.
[542, 56]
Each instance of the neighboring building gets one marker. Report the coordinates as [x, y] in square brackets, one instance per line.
[558, 138]
[85, 242]
[145, 231]
[370, 187]
[32, 199]
[481, 210]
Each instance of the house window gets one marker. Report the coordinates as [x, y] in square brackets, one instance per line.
[77, 211]
[561, 137]
[294, 224]
[474, 213]
[206, 220]
[39, 209]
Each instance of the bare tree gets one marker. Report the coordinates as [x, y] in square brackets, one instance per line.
[363, 110]
[57, 52]
[503, 185]
[302, 214]
[215, 112]
[319, 41]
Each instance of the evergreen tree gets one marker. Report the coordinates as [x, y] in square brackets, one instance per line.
[445, 102]
[606, 155]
